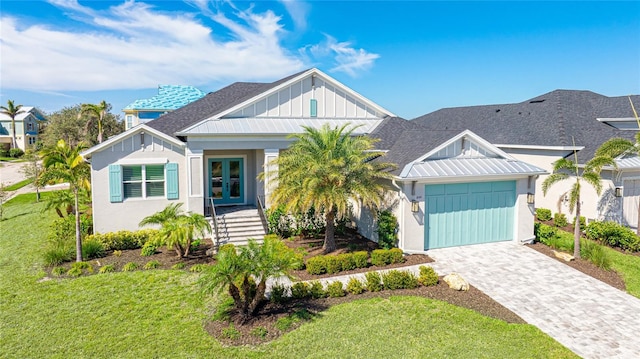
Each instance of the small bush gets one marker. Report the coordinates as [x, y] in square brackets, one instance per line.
[374, 281]
[130, 267]
[396, 255]
[58, 271]
[387, 230]
[596, 254]
[83, 266]
[16, 153]
[383, 257]
[300, 290]
[317, 290]
[316, 265]
[336, 289]
[583, 223]
[278, 293]
[117, 253]
[58, 255]
[396, 279]
[355, 286]
[197, 268]
[259, 332]
[179, 265]
[299, 263]
[231, 332]
[428, 276]
[109, 268]
[148, 249]
[560, 220]
[152, 264]
[74, 272]
[614, 235]
[122, 240]
[544, 233]
[92, 249]
[333, 264]
[361, 259]
[543, 214]
[347, 262]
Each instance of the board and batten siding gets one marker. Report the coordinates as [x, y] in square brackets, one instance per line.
[301, 98]
[125, 215]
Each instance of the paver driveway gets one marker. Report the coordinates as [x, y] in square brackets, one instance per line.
[589, 317]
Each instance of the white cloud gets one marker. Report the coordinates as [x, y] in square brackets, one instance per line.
[298, 10]
[132, 45]
[346, 58]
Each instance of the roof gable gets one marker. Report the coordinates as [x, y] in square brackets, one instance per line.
[142, 128]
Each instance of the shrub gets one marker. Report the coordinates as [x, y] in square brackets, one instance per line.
[58, 255]
[92, 249]
[179, 265]
[396, 279]
[333, 264]
[355, 286]
[613, 234]
[78, 268]
[284, 323]
[108, 268]
[152, 264]
[4, 153]
[596, 254]
[544, 233]
[16, 152]
[194, 244]
[197, 268]
[259, 332]
[278, 293]
[58, 271]
[374, 281]
[543, 214]
[231, 332]
[361, 259]
[122, 240]
[279, 222]
[560, 220]
[317, 290]
[74, 272]
[387, 230]
[117, 253]
[62, 231]
[583, 223]
[299, 262]
[396, 255]
[130, 267]
[428, 276]
[347, 262]
[148, 249]
[335, 289]
[317, 265]
[300, 290]
[383, 257]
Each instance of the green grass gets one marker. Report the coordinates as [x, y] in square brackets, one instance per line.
[160, 314]
[16, 186]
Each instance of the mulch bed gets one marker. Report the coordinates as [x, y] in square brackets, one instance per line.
[610, 277]
[270, 313]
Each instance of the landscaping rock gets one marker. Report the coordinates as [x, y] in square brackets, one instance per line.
[455, 281]
[564, 256]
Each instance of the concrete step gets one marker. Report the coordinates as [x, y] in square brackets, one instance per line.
[246, 219]
[237, 229]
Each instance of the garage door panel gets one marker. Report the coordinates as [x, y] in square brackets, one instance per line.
[630, 201]
[460, 214]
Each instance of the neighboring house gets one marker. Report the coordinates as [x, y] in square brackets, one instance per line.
[212, 150]
[169, 98]
[28, 124]
[551, 126]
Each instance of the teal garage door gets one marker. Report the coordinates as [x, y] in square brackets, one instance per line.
[468, 213]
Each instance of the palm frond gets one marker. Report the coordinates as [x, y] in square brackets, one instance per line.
[614, 147]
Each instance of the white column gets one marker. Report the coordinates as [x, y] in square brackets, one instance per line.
[269, 169]
[195, 181]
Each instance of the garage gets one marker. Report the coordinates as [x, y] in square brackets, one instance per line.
[469, 213]
[630, 199]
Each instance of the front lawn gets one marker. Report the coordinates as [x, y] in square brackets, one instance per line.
[161, 313]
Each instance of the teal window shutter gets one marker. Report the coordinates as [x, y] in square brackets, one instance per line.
[115, 183]
[172, 181]
[313, 108]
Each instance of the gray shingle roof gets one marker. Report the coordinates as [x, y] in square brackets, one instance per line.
[212, 104]
[551, 119]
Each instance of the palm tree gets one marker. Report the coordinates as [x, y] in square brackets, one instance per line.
[12, 111]
[98, 112]
[64, 163]
[325, 168]
[564, 169]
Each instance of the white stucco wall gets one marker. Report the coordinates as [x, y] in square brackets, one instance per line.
[126, 215]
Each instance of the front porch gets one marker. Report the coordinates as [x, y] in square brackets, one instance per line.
[236, 224]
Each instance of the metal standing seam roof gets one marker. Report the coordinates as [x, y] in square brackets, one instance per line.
[467, 167]
[265, 125]
[628, 162]
[169, 97]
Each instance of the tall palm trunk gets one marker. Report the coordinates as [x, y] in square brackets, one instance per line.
[329, 233]
[576, 231]
[14, 142]
[78, 236]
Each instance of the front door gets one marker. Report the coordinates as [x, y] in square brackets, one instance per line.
[226, 180]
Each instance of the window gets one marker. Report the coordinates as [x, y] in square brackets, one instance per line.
[143, 181]
[32, 140]
[30, 126]
[129, 121]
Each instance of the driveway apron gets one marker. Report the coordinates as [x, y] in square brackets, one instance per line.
[589, 317]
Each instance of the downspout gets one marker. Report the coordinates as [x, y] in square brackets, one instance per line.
[401, 219]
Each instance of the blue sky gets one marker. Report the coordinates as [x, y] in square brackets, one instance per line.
[410, 57]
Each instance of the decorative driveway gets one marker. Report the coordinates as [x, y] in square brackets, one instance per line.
[589, 317]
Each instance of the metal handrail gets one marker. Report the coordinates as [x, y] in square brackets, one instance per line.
[263, 217]
[214, 218]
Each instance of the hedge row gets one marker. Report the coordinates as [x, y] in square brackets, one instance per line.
[331, 264]
[122, 240]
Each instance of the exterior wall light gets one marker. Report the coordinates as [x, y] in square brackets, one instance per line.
[415, 206]
[531, 198]
[618, 192]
